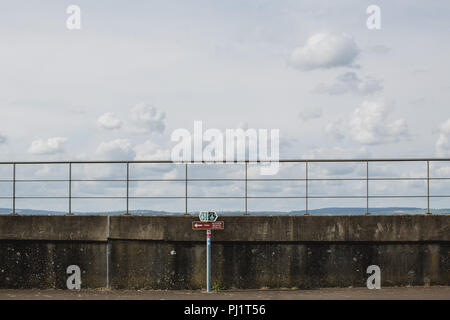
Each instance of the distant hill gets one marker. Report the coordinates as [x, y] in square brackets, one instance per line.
[331, 210]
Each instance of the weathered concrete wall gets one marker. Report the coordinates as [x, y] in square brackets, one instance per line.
[276, 265]
[163, 252]
[43, 264]
[288, 228]
[53, 228]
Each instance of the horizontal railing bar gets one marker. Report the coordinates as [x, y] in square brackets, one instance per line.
[220, 179]
[223, 197]
[399, 196]
[64, 197]
[227, 162]
[67, 180]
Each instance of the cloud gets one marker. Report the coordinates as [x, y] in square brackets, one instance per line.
[440, 170]
[336, 168]
[324, 51]
[147, 119]
[309, 113]
[349, 82]
[336, 128]
[49, 146]
[151, 151]
[369, 125]
[118, 149]
[378, 49]
[109, 121]
[337, 153]
[2, 138]
[443, 141]
[243, 125]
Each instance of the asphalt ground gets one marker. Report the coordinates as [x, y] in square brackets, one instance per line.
[388, 293]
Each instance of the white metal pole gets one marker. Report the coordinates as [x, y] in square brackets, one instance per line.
[208, 260]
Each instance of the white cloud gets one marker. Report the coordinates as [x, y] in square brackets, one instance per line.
[309, 113]
[369, 125]
[336, 168]
[443, 141]
[2, 138]
[109, 121]
[337, 153]
[151, 151]
[440, 171]
[243, 125]
[336, 128]
[147, 119]
[325, 50]
[378, 49]
[349, 82]
[49, 146]
[118, 149]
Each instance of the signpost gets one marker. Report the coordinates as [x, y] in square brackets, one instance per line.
[208, 221]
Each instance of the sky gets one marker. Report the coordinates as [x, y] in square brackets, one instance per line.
[134, 72]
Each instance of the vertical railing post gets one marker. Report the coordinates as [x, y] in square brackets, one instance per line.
[367, 187]
[128, 186]
[186, 189]
[14, 190]
[70, 187]
[306, 188]
[246, 207]
[428, 187]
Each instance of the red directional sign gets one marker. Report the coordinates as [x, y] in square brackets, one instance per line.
[200, 225]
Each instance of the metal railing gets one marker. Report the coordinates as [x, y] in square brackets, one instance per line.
[307, 179]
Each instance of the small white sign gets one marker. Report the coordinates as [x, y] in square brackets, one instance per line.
[208, 216]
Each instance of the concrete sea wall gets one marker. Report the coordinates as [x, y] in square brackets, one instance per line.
[256, 251]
